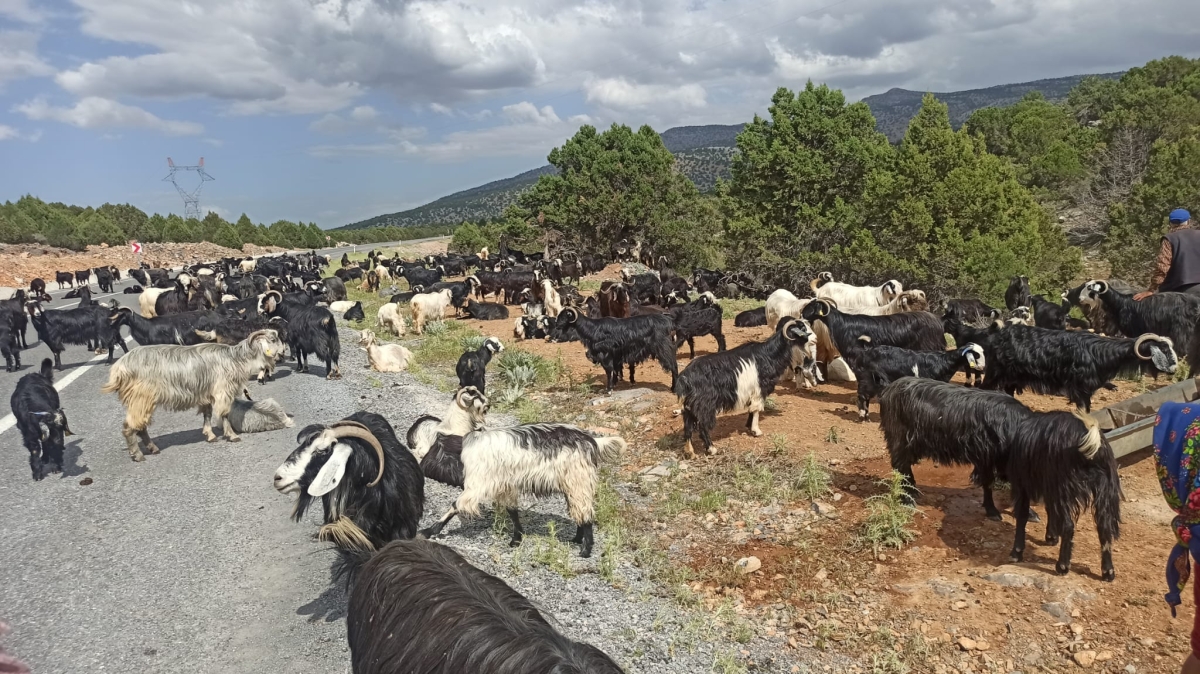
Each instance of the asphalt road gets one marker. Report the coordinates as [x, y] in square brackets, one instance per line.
[185, 563]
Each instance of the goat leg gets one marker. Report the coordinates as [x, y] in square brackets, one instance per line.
[518, 532]
[131, 436]
[206, 412]
[689, 424]
[583, 536]
[752, 424]
[989, 505]
[230, 435]
[1021, 509]
[631, 379]
[441, 524]
[1066, 527]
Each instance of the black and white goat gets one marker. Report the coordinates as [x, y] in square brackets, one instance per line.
[1172, 315]
[737, 380]
[369, 484]
[418, 606]
[1074, 364]
[472, 365]
[877, 366]
[966, 334]
[311, 331]
[40, 419]
[80, 326]
[614, 342]
[1059, 458]
[500, 465]
[916, 330]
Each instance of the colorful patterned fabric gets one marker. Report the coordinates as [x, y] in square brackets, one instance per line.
[1176, 445]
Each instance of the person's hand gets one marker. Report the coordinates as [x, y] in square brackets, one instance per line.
[1142, 295]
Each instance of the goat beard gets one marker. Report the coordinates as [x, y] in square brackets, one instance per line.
[344, 533]
[1160, 359]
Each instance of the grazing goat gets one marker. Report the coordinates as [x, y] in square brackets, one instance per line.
[737, 380]
[389, 317]
[1017, 294]
[258, 416]
[1060, 458]
[476, 624]
[1074, 364]
[369, 484]
[614, 342]
[696, 319]
[207, 376]
[500, 465]
[782, 304]
[877, 366]
[384, 357]
[41, 420]
[429, 306]
[848, 297]
[81, 326]
[751, 318]
[485, 311]
[472, 365]
[1173, 315]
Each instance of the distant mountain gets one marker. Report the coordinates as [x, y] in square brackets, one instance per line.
[894, 109]
[705, 153]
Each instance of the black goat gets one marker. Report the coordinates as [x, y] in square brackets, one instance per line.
[37, 289]
[422, 277]
[530, 327]
[75, 326]
[1074, 364]
[172, 329]
[369, 484]
[335, 289]
[1047, 314]
[349, 273]
[1017, 294]
[8, 344]
[472, 365]
[974, 312]
[14, 308]
[1173, 315]
[40, 419]
[64, 278]
[311, 331]
[751, 318]
[104, 279]
[915, 330]
[405, 298]
[877, 366]
[643, 288]
[1058, 457]
[737, 380]
[485, 311]
[418, 606]
[696, 319]
[355, 313]
[614, 342]
[83, 277]
[176, 301]
[134, 290]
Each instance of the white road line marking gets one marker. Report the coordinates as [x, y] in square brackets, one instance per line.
[10, 421]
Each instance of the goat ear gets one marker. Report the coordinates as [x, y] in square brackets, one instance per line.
[332, 472]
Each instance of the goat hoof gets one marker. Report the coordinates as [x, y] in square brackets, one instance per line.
[1016, 557]
[1109, 575]
[516, 541]
[995, 517]
[234, 438]
[1033, 516]
[137, 458]
[1051, 540]
[1062, 569]
[585, 553]
[152, 449]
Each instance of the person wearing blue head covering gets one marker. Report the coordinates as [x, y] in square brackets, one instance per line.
[1177, 267]
[1177, 462]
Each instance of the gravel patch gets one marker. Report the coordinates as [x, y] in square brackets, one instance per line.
[644, 632]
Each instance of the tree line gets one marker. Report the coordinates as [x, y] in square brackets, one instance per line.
[31, 220]
[1037, 188]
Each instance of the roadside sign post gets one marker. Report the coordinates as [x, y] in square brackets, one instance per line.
[137, 250]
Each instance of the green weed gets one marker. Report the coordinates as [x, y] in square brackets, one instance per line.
[813, 480]
[889, 516]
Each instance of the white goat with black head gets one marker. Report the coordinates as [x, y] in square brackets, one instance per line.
[500, 465]
[370, 486]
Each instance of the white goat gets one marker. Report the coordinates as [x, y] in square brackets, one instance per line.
[909, 300]
[551, 299]
[384, 357]
[257, 416]
[782, 304]
[206, 376]
[429, 306]
[389, 317]
[248, 266]
[500, 465]
[848, 297]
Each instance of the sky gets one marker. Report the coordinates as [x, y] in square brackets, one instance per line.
[338, 110]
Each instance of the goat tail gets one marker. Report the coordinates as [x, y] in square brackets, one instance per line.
[1089, 444]
[48, 369]
[1107, 499]
[611, 447]
[119, 378]
[207, 335]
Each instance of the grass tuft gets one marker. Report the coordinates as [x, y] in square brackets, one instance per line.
[550, 552]
[813, 480]
[889, 516]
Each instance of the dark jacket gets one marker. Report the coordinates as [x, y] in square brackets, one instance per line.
[1185, 259]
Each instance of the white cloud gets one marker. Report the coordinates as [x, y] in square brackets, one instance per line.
[622, 94]
[363, 113]
[526, 112]
[19, 10]
[8, 133]
[19, 57]
[215, 142]
[102, 113]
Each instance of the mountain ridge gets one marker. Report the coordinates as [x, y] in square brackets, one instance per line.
[704, 153]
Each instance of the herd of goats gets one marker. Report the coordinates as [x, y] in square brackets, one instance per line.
[209, 329]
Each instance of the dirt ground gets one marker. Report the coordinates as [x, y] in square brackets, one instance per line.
[948, 601]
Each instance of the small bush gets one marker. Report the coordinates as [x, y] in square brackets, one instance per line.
[889, 516]
[517, 366]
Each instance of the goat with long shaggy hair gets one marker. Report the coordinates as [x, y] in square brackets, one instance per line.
[877, 366]
[418, 606]
[41, 420]
[849, 297]
[1172, 315]
[83, 325]
[207, 377]
[500, 465]
[368, 483]
[1074, 364]
[1060, 458]
[737, 380]
[916, 330]
[613, 343]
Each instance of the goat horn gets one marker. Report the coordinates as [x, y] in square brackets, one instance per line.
[1137, 344]
[353, 429]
